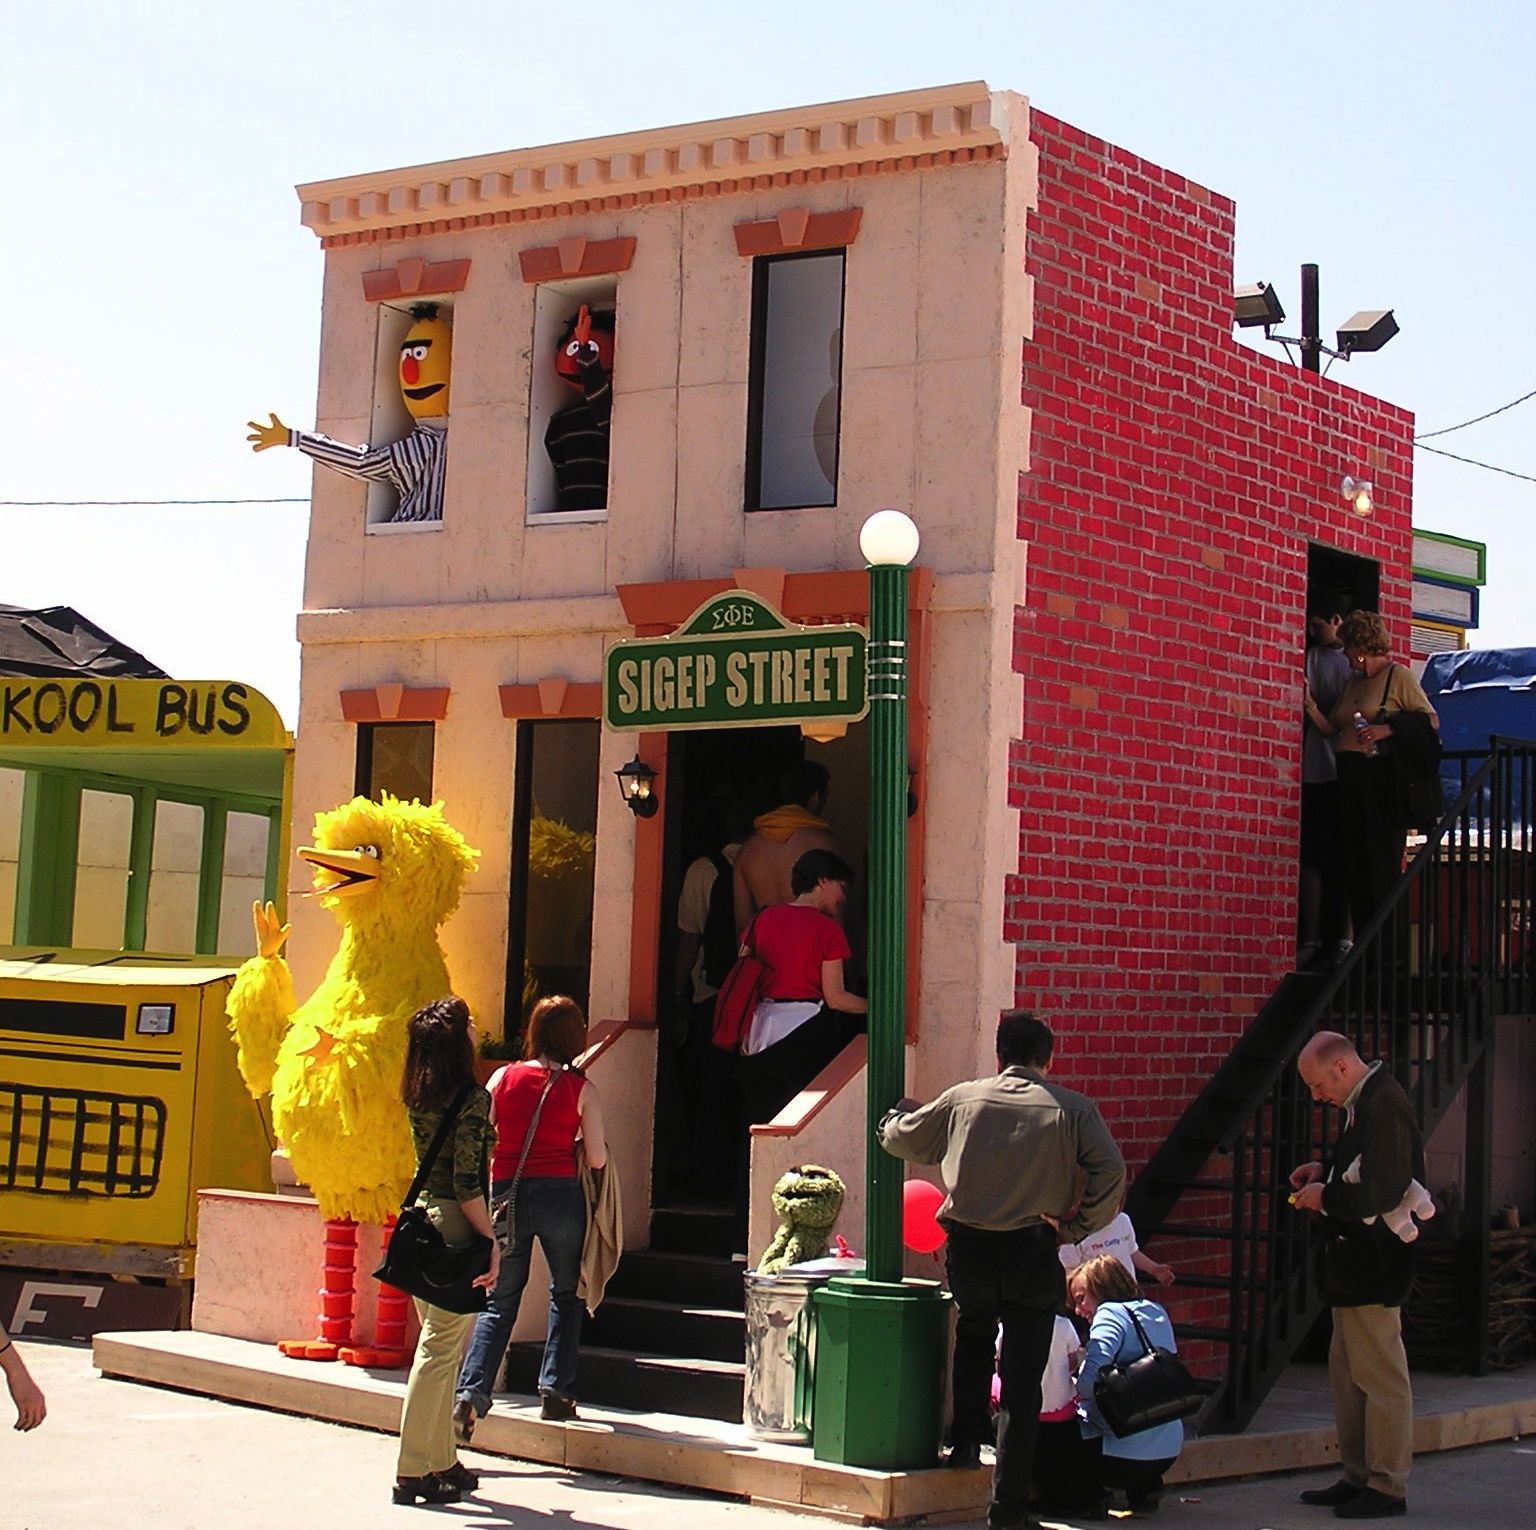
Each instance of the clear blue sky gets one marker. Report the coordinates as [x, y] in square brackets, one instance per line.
[163, 292]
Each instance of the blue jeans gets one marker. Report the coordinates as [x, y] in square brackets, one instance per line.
[553, 1211]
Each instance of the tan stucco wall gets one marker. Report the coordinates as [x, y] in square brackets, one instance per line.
[936, 311]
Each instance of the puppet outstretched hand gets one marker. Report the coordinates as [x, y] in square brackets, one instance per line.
[271, 932]
[263, 436]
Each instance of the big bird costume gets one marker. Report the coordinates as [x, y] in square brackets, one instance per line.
[391, 872]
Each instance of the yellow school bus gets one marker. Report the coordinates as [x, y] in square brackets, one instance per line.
[139, 818]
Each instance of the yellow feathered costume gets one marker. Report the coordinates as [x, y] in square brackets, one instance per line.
[391, 872]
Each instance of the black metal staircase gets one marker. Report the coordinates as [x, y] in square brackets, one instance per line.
[1452, 948]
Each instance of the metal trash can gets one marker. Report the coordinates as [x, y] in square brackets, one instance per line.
[781, 1355]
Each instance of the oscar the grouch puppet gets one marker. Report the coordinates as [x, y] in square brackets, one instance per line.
[808, 1200]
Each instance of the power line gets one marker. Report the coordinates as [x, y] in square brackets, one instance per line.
[1473, 462]
[1478, 420]
[35, 504]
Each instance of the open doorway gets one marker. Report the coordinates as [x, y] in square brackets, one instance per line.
[717, 778]
[1337, 583]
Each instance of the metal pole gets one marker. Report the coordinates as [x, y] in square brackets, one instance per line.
[887, 910]
[1311, 337]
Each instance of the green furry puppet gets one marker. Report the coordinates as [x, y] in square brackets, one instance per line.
[808, 1200]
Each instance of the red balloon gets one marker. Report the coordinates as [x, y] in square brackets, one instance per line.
[920, 1229]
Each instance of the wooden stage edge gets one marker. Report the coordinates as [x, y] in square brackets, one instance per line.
[701, 1453]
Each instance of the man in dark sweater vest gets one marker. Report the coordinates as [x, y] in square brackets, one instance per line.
[1367, 1269]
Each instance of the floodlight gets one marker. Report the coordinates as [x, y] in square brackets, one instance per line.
[1369, 330]
[1256, 305]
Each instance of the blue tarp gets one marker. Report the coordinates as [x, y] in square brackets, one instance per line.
[1479, 694]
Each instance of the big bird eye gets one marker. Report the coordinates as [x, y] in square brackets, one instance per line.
[369, 850]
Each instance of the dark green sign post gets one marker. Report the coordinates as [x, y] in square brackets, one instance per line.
[736, 662]
[881, 1339]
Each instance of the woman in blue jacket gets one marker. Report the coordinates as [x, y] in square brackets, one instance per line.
[1104, 1294]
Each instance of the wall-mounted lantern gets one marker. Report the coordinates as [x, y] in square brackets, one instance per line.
[636, 783]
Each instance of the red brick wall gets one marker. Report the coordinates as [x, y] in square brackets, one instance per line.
[1175, 479]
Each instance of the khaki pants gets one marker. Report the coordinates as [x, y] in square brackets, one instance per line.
[1372, 1398]
[426, 1421]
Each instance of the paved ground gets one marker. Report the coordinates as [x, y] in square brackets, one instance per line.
[132, 1457]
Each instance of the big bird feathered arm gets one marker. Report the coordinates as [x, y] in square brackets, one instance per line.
[261, 1001]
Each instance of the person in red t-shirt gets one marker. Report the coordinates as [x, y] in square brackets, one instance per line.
[808, 1016]
[540, 1107]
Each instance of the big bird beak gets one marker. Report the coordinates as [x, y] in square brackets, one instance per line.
[353, 871]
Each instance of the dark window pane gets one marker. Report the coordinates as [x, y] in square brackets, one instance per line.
[395, 758]
[549, 937]
[797, 363]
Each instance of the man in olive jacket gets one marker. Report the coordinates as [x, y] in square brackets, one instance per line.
[1010, 1149]
[1367, 1270]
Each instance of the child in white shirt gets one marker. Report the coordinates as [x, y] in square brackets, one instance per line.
[1119, 1239]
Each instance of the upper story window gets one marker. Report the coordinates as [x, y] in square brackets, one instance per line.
[795, 389]
[395, 757]
[570, 403]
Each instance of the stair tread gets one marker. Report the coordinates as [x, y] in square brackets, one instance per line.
[661, 1308]
[646, 1359]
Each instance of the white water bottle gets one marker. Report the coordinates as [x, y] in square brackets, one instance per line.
[1362, 733]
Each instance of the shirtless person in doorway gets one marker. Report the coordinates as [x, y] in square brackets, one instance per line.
[779, 838]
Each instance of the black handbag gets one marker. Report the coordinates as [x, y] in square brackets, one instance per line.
[418, 1261]
[1152, 1389]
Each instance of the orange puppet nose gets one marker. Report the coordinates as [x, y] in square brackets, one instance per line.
[410, 371]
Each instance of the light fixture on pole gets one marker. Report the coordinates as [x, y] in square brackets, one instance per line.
[1368, 330]
[889, 541]
[879, 1389]
[636, 785]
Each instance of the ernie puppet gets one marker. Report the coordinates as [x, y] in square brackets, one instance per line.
[413, 464]
[391, 872]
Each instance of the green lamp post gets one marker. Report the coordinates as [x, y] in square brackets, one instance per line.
[881, 1339]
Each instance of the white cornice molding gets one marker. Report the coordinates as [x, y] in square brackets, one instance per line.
[731, 153]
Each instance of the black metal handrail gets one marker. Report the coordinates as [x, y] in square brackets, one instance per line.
[1451, 946]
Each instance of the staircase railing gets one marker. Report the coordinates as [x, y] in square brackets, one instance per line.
[1450, 948]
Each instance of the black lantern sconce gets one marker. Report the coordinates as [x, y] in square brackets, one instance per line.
[636, 783]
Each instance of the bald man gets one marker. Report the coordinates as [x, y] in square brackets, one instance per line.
[1367, 1269]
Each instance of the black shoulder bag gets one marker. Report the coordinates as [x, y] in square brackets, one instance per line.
[1152, 1389]
[418, 1261]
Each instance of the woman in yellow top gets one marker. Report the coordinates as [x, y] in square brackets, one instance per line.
[1372, 819]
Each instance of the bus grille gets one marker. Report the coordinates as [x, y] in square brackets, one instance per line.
[71, 1142]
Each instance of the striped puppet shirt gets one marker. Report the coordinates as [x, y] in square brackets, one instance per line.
[413, 464]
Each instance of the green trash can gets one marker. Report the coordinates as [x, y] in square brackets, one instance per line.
[881, 1349]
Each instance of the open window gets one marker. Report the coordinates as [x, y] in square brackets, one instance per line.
[12, 789]
[795, 388]
[579, 492]
[104, 854]
[395, 758]
[390, 420]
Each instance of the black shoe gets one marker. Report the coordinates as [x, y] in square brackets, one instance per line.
[458, 1475]
[429, 1489]
[1009, 1519]
[556, 1407]
[964, 1457]
[1144, 1503]
[1369, 1504]
[1342, 1491]
[464, 1421]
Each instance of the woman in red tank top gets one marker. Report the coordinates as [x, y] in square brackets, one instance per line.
[542, 1109]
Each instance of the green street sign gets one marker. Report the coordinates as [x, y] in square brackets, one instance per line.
[736, 663]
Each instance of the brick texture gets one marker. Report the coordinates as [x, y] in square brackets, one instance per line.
[1175, 480]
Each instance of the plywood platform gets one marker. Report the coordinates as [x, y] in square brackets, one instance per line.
[1293, 1431]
